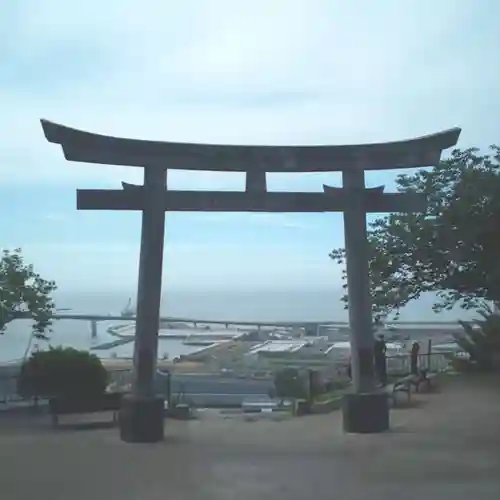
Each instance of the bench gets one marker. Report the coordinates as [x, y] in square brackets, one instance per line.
[402, 385]
[79, 405]
[426, 379]
[405, 384]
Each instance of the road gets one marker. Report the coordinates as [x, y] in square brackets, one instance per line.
[218, 385]
[214, 390]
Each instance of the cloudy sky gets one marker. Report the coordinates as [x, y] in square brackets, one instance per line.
[259, 72]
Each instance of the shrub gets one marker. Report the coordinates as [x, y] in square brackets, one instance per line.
[463, 364]
[316, 384]
[289, 383]
[481, 340]
[62, 372]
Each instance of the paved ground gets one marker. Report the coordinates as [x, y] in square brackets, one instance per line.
[445, 447]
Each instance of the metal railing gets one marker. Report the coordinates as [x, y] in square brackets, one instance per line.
[121, 379]
[433, 362]
[8, 390]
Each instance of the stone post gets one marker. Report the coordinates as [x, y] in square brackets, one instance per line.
[141, 418]
[365, 410]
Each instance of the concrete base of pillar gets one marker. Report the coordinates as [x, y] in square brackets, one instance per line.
[141, 419]
[365, 413]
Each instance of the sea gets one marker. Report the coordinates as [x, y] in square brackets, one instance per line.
[235, 305]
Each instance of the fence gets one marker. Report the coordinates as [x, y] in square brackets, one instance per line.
[433, 362]
[8, 389]
[121, 379]
[331, 368]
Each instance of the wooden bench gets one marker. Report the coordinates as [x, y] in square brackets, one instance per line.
[405, 384]
[426, 379]
[402, 385]
[79, 405]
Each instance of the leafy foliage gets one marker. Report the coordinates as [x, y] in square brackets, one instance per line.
[24, 293]
[481, 338]
[451, 249]
[289, 383]
[316, 384]
[62, 372]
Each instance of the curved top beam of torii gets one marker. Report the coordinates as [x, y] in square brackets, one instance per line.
[94, 148]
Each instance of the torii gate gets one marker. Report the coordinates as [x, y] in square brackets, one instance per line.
[366, 409]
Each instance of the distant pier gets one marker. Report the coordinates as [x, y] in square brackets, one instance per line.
[110, 345]
[234, 323]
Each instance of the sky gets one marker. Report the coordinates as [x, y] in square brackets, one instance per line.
[280, 72]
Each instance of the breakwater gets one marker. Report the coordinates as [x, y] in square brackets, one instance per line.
[128, 332]
[110, 345]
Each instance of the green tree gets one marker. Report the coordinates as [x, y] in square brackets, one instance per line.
[24, 293]
[62, 372]
[452, 249]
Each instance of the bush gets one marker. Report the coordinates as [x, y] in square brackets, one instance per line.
[64, 373]
[289, 383]
[463, 364]
[316, 384]
[481, 340]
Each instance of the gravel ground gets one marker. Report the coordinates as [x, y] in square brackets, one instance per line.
[446, 446]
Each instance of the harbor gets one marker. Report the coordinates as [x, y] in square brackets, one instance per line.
[214, 365]
[111, 336]
[216, 345]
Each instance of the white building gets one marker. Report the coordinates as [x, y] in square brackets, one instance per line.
[301, 352]
[342, 349]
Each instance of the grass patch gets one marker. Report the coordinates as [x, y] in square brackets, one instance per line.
[321, 398]
[334, 394]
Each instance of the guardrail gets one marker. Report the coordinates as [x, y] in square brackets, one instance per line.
[9, 394]
[121, 378]
[396, 363]
[8, 390]
[433, 362]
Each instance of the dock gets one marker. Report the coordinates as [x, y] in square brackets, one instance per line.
[110, 345]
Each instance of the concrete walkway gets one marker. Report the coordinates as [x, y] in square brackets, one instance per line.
[447, 446]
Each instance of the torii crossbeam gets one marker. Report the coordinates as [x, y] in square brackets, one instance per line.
[366, 410]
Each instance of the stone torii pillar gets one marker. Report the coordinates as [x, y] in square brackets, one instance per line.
[358, 281]
[141, 417]
[365, 410]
